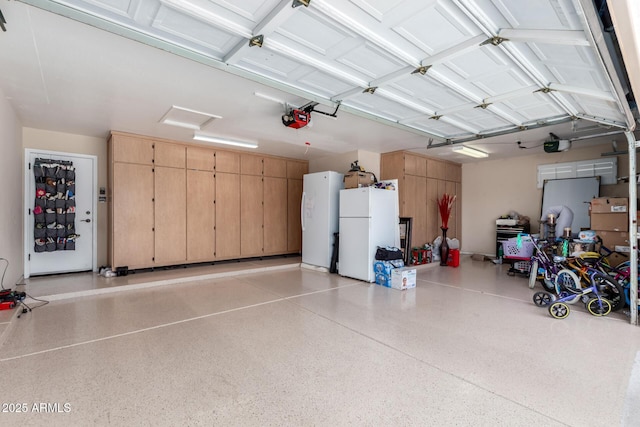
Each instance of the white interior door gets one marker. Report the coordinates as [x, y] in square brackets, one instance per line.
[81, 255]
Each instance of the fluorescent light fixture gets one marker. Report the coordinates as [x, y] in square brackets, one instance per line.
[216, 140]
[471, 152]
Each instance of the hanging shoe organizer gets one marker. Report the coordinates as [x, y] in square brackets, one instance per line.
[54, 210]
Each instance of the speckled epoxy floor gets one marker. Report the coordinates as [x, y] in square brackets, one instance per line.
[299, 347]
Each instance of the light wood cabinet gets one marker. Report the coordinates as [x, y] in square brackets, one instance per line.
[275, 215]
[132, 235]
[276, 168]
[453, 172]
[250, 165]
[422, 182]
[296, 170]
[227, 161]
[227, 215]
[251, 215]
[200, 158]
[416, 208]
[435, 169]
[170, 216]
[294, 226]
[131, 149]
[173, 203]
[201, 216]
[170, 155]
[415, 165]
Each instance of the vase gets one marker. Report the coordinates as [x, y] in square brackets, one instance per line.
[444, 247]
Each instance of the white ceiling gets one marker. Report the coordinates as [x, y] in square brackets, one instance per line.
[64, 75]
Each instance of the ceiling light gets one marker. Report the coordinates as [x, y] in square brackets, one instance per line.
[471, 152]
[216, 140]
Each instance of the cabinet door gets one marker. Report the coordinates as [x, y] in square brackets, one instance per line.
[450, 188]
[170, 215]
[275, 215]
[296, 170]
[416, 207]
[415, 165]
[433, 214]
[435, 169]
[131, 149]
[132, 242]
[453, 172]
[201, 216]
[227, 162]
[250, 164]
[227, 215]
[251, 215]
[200, 158]
[170, 155]
[275, 167]
[294, 227]
[392, 166]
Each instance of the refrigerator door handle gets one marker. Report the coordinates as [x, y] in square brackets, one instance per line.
[304, 196]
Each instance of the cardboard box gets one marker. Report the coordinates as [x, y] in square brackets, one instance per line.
[609, 205]
[403, 278]
[358, 179]
[611, 239]
[610, 221]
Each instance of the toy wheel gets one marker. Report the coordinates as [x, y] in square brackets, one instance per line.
[533, 274]
[599, 307]
[559, 310]
[567, 280]
[610, 289]
[542, 299]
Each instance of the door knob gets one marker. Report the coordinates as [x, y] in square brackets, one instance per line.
[85, 220]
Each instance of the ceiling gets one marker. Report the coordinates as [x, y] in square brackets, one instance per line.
[403, 75]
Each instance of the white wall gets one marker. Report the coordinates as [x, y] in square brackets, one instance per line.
[11, 218]
[496, 187]
[370, 161]
[78, 144]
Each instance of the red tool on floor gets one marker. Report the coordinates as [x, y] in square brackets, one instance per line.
[7, 305]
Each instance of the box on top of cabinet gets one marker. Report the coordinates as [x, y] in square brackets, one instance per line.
[609, 205]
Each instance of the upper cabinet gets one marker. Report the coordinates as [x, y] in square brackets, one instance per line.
[276, 168]
[296, 170]
[131, 149]
[415, 165]
[199, 158]
[250, 165]
[453, 172]
[436, 169]
[170, 155]
[227, 161]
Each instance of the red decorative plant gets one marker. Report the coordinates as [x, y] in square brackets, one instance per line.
[444, 205]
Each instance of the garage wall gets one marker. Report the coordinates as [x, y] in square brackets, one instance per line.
[342, 162]
[496, 187]
[11, 243]
[78, 144]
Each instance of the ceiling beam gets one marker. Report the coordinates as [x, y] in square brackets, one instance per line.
[279, 14]
[561, 37]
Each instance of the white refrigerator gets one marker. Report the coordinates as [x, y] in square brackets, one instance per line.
[319, 216]
[368, 219]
